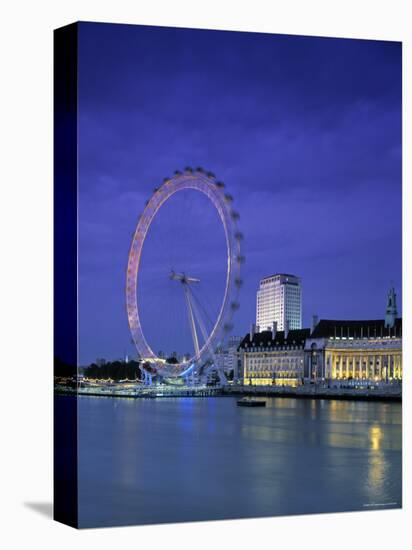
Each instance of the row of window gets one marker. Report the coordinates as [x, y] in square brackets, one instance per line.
[273, 357]
[259, 362]
[269, 348]
[282, 372]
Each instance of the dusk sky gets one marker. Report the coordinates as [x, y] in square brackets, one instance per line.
[306, 134]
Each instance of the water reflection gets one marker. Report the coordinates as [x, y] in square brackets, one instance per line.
[375, 435]
[145, 461]
[377, 464]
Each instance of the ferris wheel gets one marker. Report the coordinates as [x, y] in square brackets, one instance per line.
[205, 341]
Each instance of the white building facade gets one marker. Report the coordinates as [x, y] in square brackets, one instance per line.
[279, 300]
[272, 357]
[347, 352]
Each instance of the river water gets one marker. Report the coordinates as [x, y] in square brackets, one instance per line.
[168, 460]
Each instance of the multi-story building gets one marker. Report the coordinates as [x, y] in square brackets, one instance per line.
[334, 352]
[279, 300]
[232, 361]
[272, 357]
[341, 352]
[226, 358]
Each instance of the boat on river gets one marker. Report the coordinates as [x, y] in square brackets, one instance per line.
[249, 402]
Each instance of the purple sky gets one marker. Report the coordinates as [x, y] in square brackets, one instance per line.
[305, 133]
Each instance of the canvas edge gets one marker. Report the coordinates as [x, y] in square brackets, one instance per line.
[65, 461]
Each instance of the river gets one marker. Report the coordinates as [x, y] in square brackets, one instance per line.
[162, 460]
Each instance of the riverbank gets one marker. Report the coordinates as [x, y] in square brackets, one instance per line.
[142, 393]
[319, 392]
[393, 394]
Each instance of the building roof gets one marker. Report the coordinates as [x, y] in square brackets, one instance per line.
[280, 275]
[264, 338]
[329, 328]
[326, 328]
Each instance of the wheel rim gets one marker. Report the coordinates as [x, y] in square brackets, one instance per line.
[223, 203]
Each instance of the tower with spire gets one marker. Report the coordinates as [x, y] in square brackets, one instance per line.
[391, 311]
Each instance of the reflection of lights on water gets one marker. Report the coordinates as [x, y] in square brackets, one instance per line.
[375, 436]
[377, 468]
[284, 403]
[377, 463]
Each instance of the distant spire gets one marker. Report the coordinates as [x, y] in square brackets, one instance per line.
[391, 310]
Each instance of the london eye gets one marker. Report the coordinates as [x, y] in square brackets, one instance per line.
[206, 340]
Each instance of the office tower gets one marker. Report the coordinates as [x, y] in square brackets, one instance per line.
[279, 300]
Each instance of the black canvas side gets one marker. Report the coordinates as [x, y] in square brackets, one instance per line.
[65, 274]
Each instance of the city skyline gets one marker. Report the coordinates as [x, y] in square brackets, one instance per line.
[267, 329]
[309, 146]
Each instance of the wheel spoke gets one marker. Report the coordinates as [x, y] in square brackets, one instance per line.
[206, 183]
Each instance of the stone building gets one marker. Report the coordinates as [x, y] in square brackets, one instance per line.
[272, 357]
[333, 352]
[362, 352]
